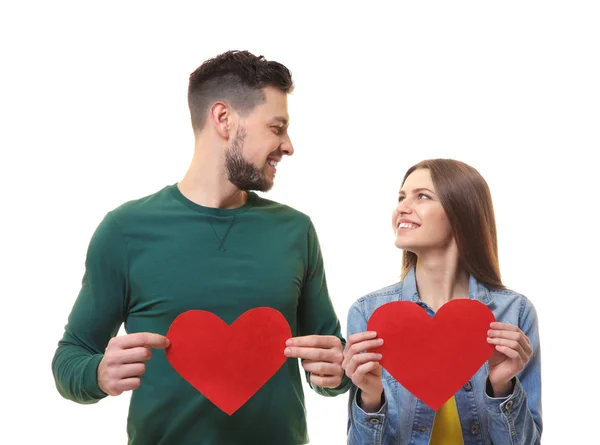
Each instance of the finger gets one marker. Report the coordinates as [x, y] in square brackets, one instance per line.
[508, 333]
[525, 344]
[128, 384]
[321, 368]
[315, 341]
[366, 345]
[131, 370]
[503, 326]
[364, 371]
[528, 350]
[314, 354]
[145, 339]
[509, 352]
[360, 359]
[519, 337]
[499, 326]
[358, 348]
[361, 336]
[511, 344]
[366, 357]
[136, 355]
[325, 381]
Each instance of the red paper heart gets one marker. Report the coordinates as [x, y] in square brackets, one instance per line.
[432, 357]
[221, 361]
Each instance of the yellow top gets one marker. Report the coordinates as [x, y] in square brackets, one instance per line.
[446, 426]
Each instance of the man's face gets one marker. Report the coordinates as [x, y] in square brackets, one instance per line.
[261, 140]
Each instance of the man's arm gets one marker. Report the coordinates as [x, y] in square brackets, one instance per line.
[322, 348]
[96, 316]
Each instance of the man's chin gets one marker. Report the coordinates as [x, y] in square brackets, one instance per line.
[264, 187]
[268, 186]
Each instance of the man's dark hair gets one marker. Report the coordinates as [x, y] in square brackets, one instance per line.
[235, 77]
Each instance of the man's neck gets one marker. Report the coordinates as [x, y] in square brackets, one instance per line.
[206, 182]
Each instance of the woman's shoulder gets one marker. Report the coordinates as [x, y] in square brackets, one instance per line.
[508, 299]
[394, 289]
[366, 304]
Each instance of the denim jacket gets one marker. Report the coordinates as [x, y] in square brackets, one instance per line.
[405, 420]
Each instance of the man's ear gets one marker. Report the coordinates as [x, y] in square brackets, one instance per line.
[222, 117]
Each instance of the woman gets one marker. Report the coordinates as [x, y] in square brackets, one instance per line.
[444, 223]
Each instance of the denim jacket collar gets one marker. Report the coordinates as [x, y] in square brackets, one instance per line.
[477, 291]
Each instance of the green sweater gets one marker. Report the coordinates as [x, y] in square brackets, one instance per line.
[154, 258]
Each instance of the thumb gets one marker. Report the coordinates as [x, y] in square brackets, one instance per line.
[156, 341]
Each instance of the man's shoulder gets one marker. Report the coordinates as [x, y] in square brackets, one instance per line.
[142, 203]
[280, 208]
[136, 209]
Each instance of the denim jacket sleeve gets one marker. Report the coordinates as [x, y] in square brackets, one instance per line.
[517, 419]
[363, 428]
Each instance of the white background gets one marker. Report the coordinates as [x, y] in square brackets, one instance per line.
[93, 113]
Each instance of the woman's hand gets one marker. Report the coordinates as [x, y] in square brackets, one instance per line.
[513, 350]
[363, 368]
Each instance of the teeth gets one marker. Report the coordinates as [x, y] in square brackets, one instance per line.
[273, 163]
[404, 225]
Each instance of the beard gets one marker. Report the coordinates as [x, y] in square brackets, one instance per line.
[241, 172]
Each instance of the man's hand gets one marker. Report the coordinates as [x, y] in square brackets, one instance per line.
[124, 361]
[321, 356]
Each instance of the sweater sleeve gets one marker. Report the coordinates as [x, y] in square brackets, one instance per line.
[316, 315]
[96, 316]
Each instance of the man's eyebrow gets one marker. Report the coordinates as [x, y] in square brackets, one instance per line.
[284, 121]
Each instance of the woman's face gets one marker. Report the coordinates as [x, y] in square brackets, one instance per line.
[419, 220]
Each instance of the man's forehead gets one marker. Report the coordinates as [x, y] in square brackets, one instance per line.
[275, 106]
[275, 96]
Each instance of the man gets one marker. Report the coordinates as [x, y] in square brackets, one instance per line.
[207, 242]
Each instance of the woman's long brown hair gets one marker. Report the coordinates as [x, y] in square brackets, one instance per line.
[467, 201]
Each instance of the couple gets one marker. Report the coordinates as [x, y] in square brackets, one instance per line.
[210, 242]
